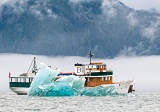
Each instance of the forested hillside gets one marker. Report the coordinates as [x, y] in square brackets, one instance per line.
[73, 27]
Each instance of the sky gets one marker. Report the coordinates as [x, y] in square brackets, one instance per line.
[142, 4]
[144, 70]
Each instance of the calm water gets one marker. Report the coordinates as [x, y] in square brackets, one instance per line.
[139, 102]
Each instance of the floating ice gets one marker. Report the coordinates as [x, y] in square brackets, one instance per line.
[44, 77]
[45, 84]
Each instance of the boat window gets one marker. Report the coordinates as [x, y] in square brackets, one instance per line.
[24, 79]
[30, 79]
[110, 77]
[16, 79]
[97, 67]
[27, 79]
[78, 69]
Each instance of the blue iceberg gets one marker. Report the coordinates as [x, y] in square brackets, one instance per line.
[45, 83]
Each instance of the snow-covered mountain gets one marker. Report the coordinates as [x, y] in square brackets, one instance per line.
[73, 27]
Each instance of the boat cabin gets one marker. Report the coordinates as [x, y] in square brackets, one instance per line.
[96, 73]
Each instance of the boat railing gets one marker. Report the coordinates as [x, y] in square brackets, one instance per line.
[21, 79]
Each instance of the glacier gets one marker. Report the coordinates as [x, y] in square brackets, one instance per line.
[46, 83]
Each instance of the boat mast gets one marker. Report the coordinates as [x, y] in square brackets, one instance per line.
[34, 69]
[34, 64]
[90, 56]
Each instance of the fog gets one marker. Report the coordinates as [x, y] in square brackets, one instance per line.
[144, 70]
[142, 4]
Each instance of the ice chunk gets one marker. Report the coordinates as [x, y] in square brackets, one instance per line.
[68, 79]
[78, 83]
[44, 76]
[44, 84]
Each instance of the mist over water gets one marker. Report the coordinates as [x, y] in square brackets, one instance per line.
[144, 70]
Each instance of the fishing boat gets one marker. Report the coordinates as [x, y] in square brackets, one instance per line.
[95, 73]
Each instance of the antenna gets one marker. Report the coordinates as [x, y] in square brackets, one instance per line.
[90, 56]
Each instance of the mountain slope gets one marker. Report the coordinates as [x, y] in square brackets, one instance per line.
[73, 27]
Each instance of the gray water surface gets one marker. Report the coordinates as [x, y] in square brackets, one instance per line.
[138, 102]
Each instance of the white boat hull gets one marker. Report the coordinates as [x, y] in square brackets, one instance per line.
[19, 90]
[122, 87]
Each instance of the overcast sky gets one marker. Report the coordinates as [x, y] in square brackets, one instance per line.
[142, 4]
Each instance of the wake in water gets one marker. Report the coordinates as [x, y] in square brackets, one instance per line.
[46, 84]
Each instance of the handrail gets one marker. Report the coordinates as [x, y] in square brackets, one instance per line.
[21, 79]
